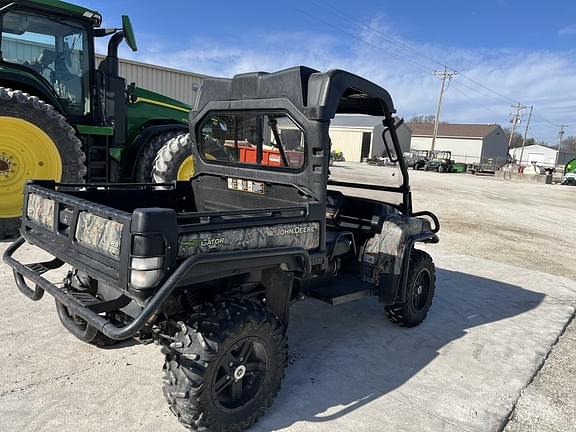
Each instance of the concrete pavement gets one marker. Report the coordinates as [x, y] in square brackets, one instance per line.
[488, 332]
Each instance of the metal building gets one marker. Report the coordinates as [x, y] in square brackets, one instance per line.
[169, 82]
[177, 84]
[359, 137]
[469, 143]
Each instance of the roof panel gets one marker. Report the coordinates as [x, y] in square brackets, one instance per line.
[453, 130]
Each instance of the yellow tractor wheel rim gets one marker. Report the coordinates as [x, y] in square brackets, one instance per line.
[186, 169]
[26, 152]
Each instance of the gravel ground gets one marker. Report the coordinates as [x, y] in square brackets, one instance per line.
[510, 237]
[531, 226]
[527, 225]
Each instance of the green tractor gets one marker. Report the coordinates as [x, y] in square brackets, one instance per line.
[569, 177]
[64, 119]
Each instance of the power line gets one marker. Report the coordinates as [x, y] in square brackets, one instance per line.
[409, 62]
[406, 46]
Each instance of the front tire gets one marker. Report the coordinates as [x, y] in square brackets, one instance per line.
[36, 142]
[225, 366]
[145, 164]
[421, 285]
[174, 161]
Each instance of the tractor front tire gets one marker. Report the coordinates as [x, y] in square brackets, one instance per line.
[225, 366]
[421, 285]
[36, 142]
[174, 161]
[145, 165]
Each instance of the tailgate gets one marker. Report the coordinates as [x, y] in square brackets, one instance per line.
[89, 236]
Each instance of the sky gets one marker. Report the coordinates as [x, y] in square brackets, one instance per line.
[504, 51]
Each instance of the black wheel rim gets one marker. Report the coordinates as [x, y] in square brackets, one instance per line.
[240, 374]
[421, 289]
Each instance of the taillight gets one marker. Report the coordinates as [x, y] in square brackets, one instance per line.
[147, 261]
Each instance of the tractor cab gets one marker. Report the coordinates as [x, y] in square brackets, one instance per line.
[50, 46]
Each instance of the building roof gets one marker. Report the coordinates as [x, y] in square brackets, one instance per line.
[359, 121]
[538, 146]
[453, 130]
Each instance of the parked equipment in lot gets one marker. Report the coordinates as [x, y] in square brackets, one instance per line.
[417, 159]
[210, 267]
[63, 119]
[569, 177]
[440, 161]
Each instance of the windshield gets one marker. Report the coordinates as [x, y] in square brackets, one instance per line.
[55, 48]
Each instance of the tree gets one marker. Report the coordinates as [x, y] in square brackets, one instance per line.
[423, 119]
[517, 139]
[569, 144]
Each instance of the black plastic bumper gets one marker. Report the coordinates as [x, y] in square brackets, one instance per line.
[201, 265]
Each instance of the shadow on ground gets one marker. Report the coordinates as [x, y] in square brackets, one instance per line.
[344, 357]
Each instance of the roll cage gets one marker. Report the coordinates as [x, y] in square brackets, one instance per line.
[312, 99]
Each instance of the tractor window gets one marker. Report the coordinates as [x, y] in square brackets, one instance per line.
[53, 48]
[265, 139]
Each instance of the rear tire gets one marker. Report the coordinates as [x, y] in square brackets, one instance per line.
[146, 159]
[225, 366]
[56, 153]
[421, 285]
[9, 228]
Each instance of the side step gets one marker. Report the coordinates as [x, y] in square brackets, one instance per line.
[342, 289]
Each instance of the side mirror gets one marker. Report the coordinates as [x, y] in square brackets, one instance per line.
[129, 33]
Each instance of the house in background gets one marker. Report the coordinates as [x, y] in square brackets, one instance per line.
[469, 143]
[541, 155]
[359, 137]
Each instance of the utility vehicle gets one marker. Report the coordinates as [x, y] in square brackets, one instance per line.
[417, 159]
[440, 161]
[61, 118]
[210, 267]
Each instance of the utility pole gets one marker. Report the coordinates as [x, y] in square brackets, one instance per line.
[526, 133]
[515, 119]
[445, 75]
[560, 135]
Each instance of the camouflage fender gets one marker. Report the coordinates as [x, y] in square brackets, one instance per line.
[304, 235]
[383, 253]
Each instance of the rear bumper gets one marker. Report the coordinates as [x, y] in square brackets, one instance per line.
[201, 266]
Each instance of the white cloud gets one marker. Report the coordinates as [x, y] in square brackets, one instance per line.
[544, 79]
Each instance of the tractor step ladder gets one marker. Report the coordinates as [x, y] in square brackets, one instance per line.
[98, 160]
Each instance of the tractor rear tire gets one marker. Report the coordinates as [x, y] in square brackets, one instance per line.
[145, 165]
[174, 161]
[225, 366]
[36, 142]
[420, 288]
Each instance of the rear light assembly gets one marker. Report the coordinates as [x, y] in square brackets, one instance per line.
[146, 270]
